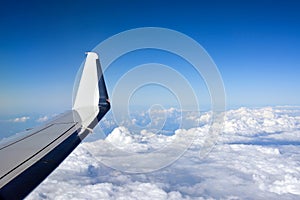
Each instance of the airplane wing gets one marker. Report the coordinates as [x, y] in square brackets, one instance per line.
[27, 160]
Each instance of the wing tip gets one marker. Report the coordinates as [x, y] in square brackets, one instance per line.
[92, 54]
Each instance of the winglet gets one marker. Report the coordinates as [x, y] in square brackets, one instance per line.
[91, 96]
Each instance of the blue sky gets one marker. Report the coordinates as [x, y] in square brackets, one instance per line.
[255, 45]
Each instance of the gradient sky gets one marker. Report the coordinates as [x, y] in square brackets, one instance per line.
[255, 45]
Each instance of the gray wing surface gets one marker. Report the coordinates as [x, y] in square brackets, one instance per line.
[28, 159]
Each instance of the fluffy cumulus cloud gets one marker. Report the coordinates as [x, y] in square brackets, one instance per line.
[257, 156]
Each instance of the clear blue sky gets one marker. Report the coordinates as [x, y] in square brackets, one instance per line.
[255, 44]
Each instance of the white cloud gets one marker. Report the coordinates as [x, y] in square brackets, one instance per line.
[258, 159]
[20, 119]
[42, 119]
[289, 184]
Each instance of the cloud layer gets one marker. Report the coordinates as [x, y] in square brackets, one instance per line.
[256, 157]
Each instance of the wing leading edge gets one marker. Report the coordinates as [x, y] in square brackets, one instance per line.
[27, 160]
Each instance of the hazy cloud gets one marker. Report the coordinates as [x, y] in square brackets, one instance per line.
[42, 119]
[20, 119]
